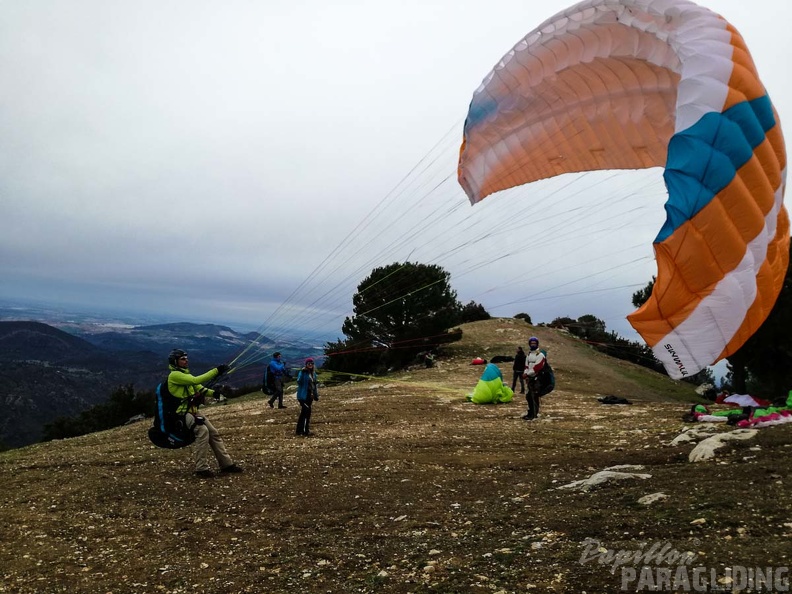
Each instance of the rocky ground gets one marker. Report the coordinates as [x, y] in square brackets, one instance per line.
[407, 487]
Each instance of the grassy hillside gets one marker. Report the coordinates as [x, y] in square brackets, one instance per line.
[406, 487]
[577, 365]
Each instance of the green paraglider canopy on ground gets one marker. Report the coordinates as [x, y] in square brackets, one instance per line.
[490, 388]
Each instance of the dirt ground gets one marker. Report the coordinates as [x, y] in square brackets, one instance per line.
[407, 487]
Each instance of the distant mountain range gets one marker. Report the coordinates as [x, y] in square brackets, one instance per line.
[204, 342]
[47, 372]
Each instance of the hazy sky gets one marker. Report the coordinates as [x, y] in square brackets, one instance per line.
[203, 159]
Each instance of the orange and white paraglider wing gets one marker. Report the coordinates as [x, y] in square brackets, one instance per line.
[632, 84]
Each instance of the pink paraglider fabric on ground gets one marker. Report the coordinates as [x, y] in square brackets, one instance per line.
[744, 400]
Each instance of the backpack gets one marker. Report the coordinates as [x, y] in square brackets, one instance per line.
[546, 379]
[170, 427]
[268, 383]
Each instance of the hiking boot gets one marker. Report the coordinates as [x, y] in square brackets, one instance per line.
[232, 469]
[272, 405]
[204, 473]
[282, 406]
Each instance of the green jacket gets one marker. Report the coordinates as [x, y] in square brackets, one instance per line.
[184, 386]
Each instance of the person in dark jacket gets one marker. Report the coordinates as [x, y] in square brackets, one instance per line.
[307, 393]
[188, 388]
[518, 368]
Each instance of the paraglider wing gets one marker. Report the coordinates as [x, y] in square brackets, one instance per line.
[632, 84]
[490, 389]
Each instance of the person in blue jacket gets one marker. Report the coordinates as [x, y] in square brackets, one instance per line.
[278, 374]
[307, 393]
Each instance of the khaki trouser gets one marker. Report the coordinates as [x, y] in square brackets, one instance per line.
[206, 436]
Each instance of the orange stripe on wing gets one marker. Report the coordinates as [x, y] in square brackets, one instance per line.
[744, 82]
[776, 138]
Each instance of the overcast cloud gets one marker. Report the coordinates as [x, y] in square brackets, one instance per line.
[201, 159]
